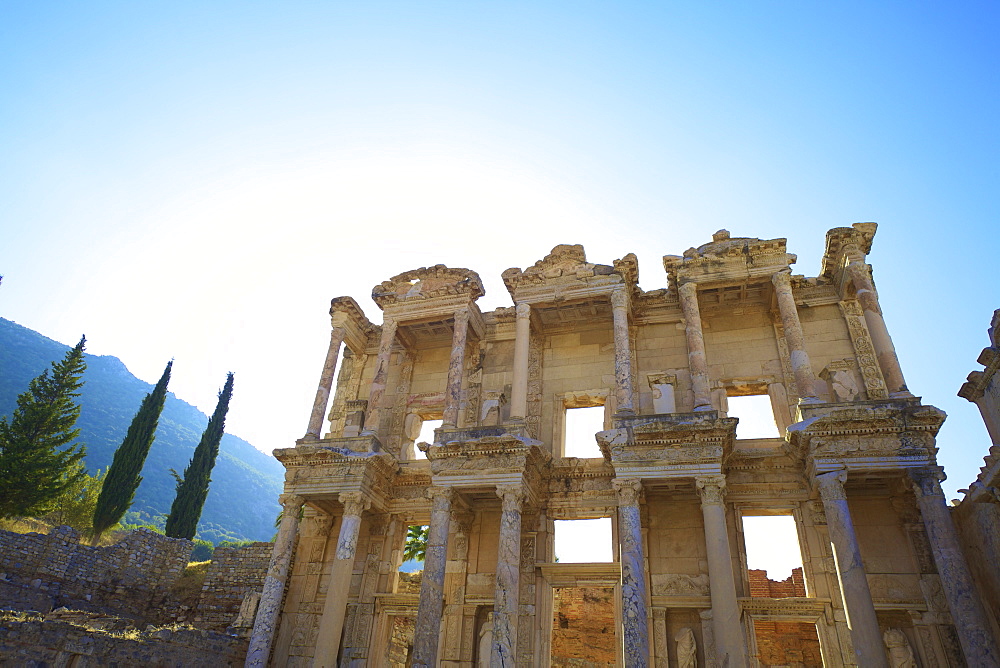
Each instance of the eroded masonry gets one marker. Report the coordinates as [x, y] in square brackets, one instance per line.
[883, 581]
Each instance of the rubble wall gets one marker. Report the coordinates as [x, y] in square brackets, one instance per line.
[48, 571]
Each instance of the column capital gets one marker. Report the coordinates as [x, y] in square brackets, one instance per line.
[511, 496]
[782, 278]
[355, 503]
[831, 485]
[291, 502]
[927, 481]
[388, 321]
[339, 319]
[712, 489]
[522, 310]
[688, 289]
[462, 314]
[619, 298]
[629, 491]
[439, 495]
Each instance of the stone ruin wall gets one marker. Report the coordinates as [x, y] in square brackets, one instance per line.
[131, 577]
[111, 591]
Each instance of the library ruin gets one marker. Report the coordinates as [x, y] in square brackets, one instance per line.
[851, 467]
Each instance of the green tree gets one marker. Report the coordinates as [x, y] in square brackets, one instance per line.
[192, 489]
[415, 547]
[75, 506]
[123, 477]
[37, 462]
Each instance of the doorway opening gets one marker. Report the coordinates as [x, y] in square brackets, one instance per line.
[583, 627]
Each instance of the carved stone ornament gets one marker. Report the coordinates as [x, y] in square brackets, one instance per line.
[927, 481]
[831, 485]
[629, 491]
[428, 282]
[712, 489]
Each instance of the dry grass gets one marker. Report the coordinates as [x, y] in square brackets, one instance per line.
[24, 525]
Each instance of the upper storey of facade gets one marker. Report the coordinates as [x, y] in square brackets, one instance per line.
[733, 320]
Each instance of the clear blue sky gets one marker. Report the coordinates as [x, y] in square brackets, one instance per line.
[197, 180]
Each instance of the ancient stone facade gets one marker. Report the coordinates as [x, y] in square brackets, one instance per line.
[854, 467]
[978, 514]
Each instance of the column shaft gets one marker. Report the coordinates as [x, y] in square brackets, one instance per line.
[326, 379]
[805, 380]
[268, 610]
[507, 592]
[623, 351]
[963, 599]
[697, 363]
[519, 386]
[635, 602]
[456, 369]
[381, 377]
[881, 341]
[431, 605]
[730, 643]
[861, 618]
[331, 625]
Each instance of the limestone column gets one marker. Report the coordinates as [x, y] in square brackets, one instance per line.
[805, 380]
[623, 351]
[381, 377]
[963, 600]
[696, 346]
[507, 593]
[635, 601]
[456, 369]
[861, 619]
[331, 624]
[519, 388]
[431, 605]
[266, 622]
[881, 341]
[730, 644]
[326, 378]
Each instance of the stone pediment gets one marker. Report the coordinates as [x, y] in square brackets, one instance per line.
[850, 241]
[567, 265]
[729, 259]
[428, 283]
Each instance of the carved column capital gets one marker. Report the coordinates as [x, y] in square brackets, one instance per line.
[291, 502]
[355, 503]
[782, 279]
[619, 298]
[522, 310]
[712, 489]
[927, 481]
[689, 289]
[388, 322]
[831, 485]
[629, 491]
[511, 496]
[339, 319]
[462, 316]
[440, 496]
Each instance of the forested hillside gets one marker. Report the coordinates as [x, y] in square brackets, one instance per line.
[242, 500]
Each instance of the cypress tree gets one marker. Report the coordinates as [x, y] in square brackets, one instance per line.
[36, 467]
[123, 477]
[192, 489]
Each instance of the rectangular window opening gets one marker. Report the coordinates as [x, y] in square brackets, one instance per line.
[583, 541]
[581, 425]
[414, 549]
[756, 416]
[427, 428]
[774, 558]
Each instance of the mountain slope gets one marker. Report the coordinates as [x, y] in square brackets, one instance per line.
[242, 499]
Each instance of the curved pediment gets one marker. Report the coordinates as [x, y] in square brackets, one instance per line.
[566, 262]
[428, 283]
